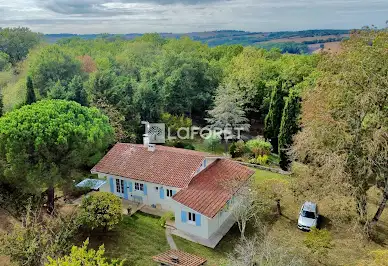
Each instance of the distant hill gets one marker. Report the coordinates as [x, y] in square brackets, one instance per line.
[290, 41]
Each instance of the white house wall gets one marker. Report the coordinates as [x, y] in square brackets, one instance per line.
[215, 223]
[153, 196]
[188, 227]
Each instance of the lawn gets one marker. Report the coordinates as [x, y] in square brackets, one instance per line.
[136, 239]
[261, 175]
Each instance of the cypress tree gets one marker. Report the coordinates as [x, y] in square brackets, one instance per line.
[1, 104]
[288, 128]
[31, 98]
[78, 92]
[274, 117]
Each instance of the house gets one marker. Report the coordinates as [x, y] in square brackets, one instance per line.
[178, 258]
[191, 184]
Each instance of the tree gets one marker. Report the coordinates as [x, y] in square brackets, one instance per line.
[57, 91]
[274, 116]
[273, 190]
[77, 91]
[17, 42]
[51, 64]
[41, 144]
[345, 121]
[4, 61]
[83, 256]
[1, 104]
[101, 210]
[31, 98]
[228, 113]
[211, 142]
[289, 126]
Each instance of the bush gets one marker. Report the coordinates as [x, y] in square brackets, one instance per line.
[318, 242]
[37, 237]
[238, 149]
[168, 216]
[212, 142]
[259, 147]
[261, 160]
[83, 256]
[101, 210]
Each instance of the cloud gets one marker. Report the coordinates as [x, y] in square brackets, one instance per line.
[126, 16]
[93, 7]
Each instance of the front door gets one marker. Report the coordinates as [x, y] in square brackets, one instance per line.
[120, 187]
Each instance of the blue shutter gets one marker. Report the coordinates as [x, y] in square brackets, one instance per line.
[183, 216]
[197, 219]
[204, 163]
[130, 186]
[173, 192]
[145, 189]
[161, 193]
[125, 190]
[112, 186]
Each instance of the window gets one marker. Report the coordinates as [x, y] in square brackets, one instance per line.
[191, 217]
[119, 186]
[139, 186]
[169, 193]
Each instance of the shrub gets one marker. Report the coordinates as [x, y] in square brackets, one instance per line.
[238, 149]
[37, 237]
[83, 256]
[168, 216]
[318, 242]
[259, 147]
[261, 160]
[212, 142]
[101, 210]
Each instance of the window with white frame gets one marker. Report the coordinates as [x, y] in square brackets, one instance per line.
[169, 193]
[119, 186]
[139, 186]
[191, 217]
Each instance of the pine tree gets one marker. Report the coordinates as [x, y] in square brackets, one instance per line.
[288, 128]
[77, 91]
[31, 98]
[274, 117]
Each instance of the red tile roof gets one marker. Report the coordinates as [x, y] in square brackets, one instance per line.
[208, 192]
[166, 165]
[185, 259]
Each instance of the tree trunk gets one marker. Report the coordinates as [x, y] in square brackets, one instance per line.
[50, 199]
[226, 146]
[382, 203]
[278, 208]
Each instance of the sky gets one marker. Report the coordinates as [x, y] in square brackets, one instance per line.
[181, 16]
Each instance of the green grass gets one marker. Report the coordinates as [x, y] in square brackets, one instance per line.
[261, 175]
[136, 239]
[200, 146]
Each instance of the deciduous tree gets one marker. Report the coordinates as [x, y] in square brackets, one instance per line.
[345, 120]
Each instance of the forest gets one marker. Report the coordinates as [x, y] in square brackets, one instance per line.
[322, 118]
